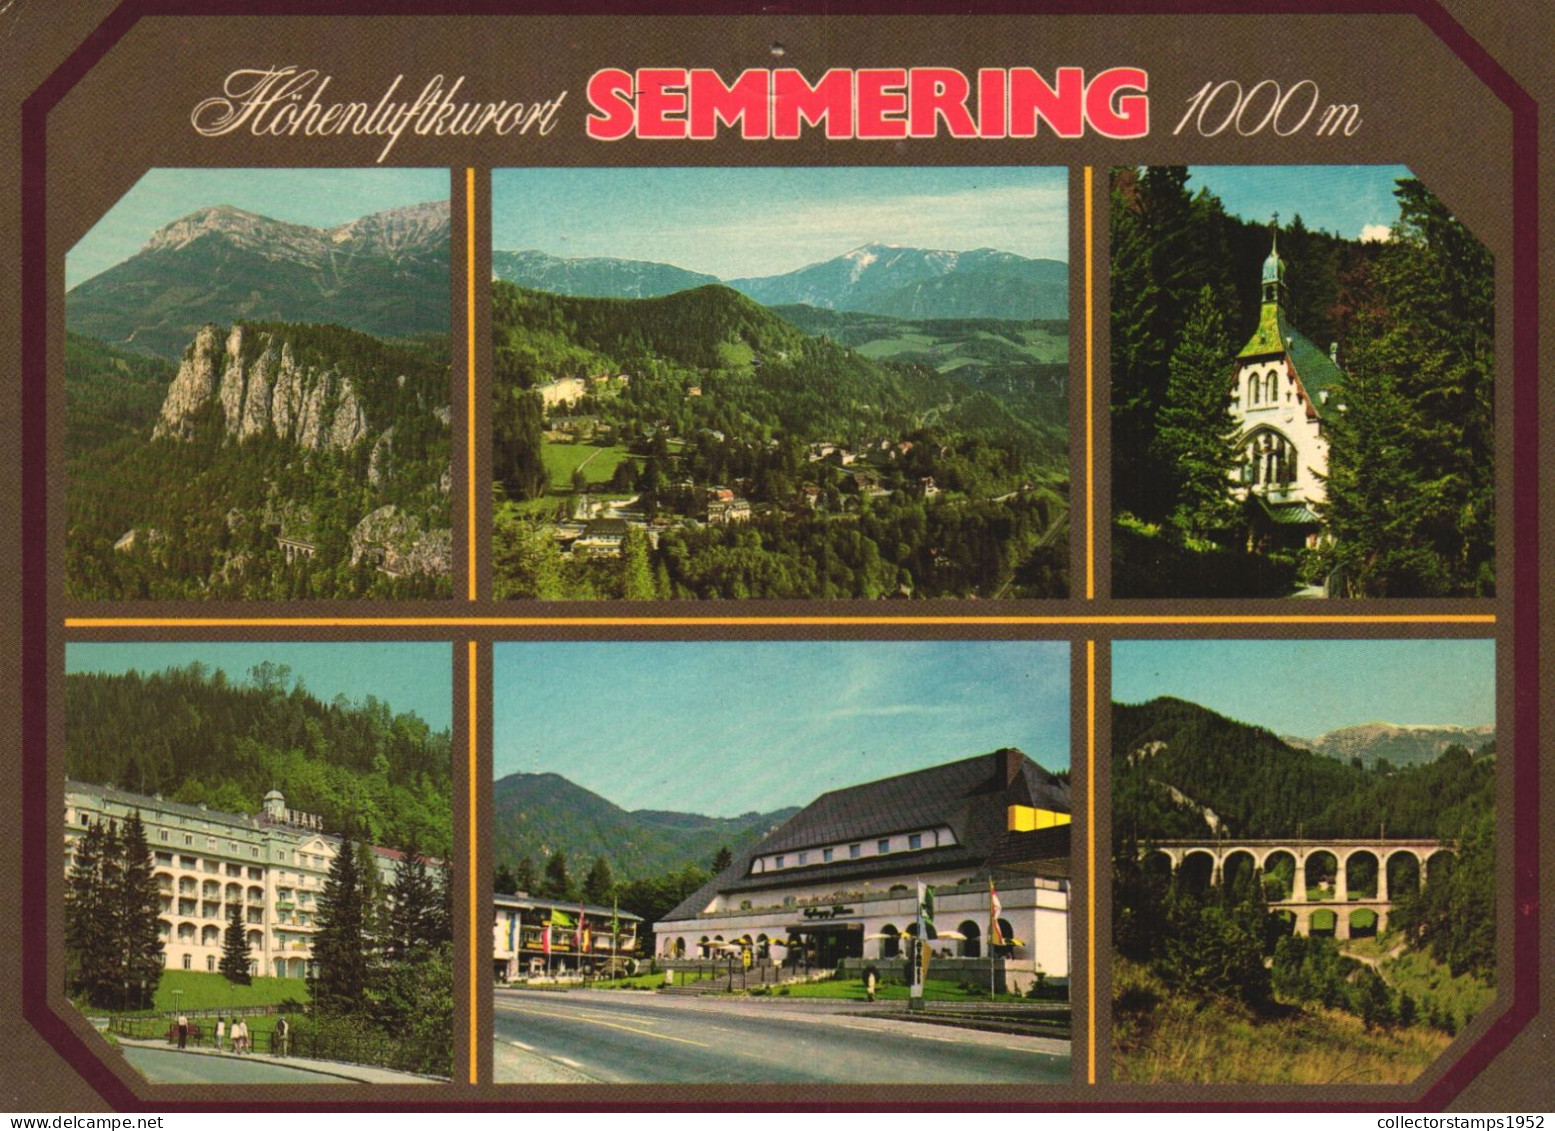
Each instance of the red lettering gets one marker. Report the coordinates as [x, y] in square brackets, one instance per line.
[935, 93]
[795, 102]
[661, 92]
[991, 117]
[744, 102]
[1031, 99]
[610, 93]
[879, 94]
[1115, 115]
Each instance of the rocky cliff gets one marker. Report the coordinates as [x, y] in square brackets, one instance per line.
[258, 382]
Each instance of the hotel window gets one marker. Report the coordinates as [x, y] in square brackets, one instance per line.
[162, 835]
[188, 962]
[254, 852]
[210, 842]
[882, 846]
[826, 855]
[915, 840]
[210, 963]
[188, 838]
[854, 850]
[86, 819]
[779, 862]
[804, 858]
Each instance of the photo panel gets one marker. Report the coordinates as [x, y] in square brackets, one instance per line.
[854, 870]
[1304, 838]
[258, 847]
[796, 383]
[1303, 402]
[257, 395]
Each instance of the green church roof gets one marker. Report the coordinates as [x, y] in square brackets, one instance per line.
[1275, 335]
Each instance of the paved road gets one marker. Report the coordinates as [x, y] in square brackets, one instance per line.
[169, 1066]
[622, 1037]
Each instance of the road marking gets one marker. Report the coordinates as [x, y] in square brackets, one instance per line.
[609, 1025]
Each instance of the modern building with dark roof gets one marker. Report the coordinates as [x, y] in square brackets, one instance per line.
[1280, 400]
[840, 878]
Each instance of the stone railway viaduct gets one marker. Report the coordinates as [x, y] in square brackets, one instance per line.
[1304, 851]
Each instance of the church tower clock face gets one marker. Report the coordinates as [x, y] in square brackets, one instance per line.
[1279, 403]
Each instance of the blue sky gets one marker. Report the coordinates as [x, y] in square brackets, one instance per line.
[320, 198]
[1307, 687]
[742, 222]
[1354, 200]
[727, 727]
[408, 677]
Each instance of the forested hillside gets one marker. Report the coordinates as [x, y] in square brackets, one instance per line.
[936, 487]
[313, 433]
[538, 815]
[196, 734]
[1260, 786]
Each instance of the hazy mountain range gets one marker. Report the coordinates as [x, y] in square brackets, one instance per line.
[385, 274]
[1399, 745]
[903, 282]
[536, 815]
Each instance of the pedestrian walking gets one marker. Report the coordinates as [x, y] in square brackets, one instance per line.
[183, 1031]
[278, 1037]
[221, 1032]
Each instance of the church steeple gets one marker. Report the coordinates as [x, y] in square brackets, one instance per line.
[1274, 268]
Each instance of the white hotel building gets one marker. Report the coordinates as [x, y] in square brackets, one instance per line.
[839, 880]
[272, 865]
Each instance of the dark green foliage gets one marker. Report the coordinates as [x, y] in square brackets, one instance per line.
[722, 859]
[558, 884]
[414, 919]
[1195, 425]
[535, 814]
[1454, 915]
[600, 885]
[193, 735]
[110, 394]
[1411, 462]
[504, 882]
[234, 949]
[525, 877]
[342, 945]
[208, 510]
[113, 948]
[1260, 786]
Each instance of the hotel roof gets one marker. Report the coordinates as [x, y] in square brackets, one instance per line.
[971, 796]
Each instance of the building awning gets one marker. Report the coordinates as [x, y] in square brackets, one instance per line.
[1288, 514]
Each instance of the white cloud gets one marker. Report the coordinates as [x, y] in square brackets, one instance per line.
[1376, 233]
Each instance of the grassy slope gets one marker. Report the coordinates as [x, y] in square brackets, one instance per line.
[1161, 1036]
[561, 459]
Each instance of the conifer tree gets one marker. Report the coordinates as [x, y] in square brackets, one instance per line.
[600, 882]
[88, 918]
[413, 908]
[234, 949]
[1194, 437]
[558, 884]
[139, 907]
[528, 881]
[1411, 492]
[341, 961]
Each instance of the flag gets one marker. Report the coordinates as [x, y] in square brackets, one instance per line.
[925, 928]
[588, 938]
[545, 939]
[995, 936]
[579, 934]
[513, 931]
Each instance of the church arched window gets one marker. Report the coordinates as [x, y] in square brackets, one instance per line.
[1273, 387]
[1252, 389]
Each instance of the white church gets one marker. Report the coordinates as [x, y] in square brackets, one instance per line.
[1280, 402]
